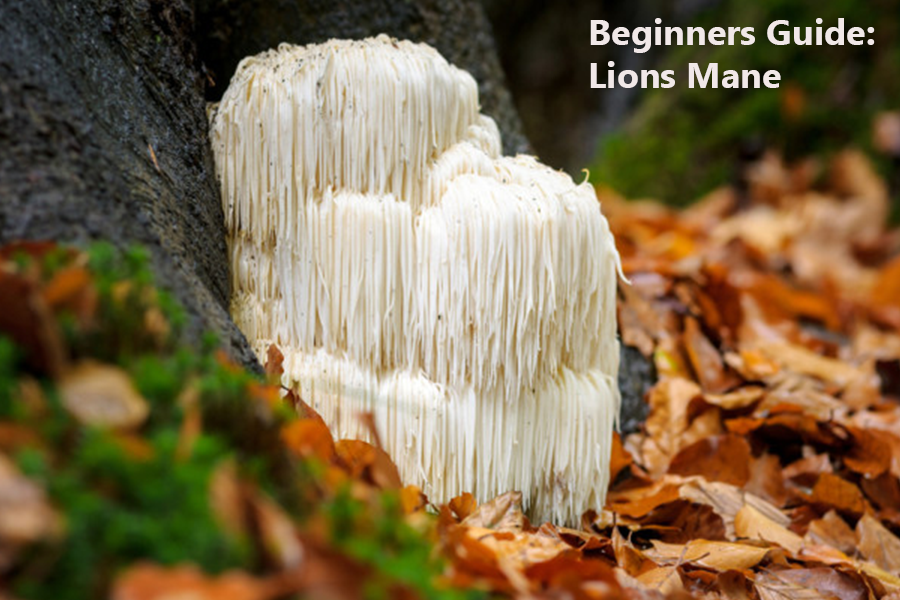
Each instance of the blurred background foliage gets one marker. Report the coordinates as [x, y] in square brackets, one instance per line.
[677, 144]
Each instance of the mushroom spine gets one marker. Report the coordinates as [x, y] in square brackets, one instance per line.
[405, 268]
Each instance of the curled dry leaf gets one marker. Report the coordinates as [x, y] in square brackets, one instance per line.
[103, 396]
[463, 506]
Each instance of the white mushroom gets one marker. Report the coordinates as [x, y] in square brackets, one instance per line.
[405, 268]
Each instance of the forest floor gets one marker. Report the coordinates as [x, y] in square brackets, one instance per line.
[769, 465]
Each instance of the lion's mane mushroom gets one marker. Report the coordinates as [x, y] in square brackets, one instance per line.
[405, 268]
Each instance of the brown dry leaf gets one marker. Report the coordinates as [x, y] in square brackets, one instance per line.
[871, 453]
[766, 480]
[669, 401]
[355, 455]
[278, 533]
[71, 288]
[664, 580]
[802, 360]
[640, 501]
[724, 458]
[751, 524]
[878, 544]
[25, 512]
[739, 398]
[274, 361]
[309, 438]
[26, 318]
[819, 582]
[577, 578]
[832, 530]
[706, 360]
[103, 396]
[464, 505]
[152, 582]
[838, 493]
[620, 459]
[727, 500]
[503, 513]
[629, 558]
[383, 471]
[720, 556]
[227, 499]
[412, 499]
[752, 364]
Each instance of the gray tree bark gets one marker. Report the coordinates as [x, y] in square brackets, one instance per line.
[458, 29]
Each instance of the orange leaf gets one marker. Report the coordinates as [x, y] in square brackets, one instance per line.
[412, 499]
[309, 438]
[355, 455]
[838, 493]
[151, 582]
[464, 505]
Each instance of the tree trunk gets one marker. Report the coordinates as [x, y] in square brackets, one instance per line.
[103, 135]
[458, 29]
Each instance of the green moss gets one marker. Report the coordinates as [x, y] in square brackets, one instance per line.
[119, 510]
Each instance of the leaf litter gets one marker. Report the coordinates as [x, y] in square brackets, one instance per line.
[768, 467]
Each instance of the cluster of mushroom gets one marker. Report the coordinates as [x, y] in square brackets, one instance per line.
[406, 269]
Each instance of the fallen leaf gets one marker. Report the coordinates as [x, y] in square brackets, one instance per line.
[152, 582]
[102, 396]
[809, 584]
[727, 500]
[309, 438]
[832, 530]
[664, 580]
[503, 513]
[25, 512]
[412, 499]
[751, 524]
[801, 360]
[737, 399]
[870, 455]
[720, 556]
[878, 544]
[706, 360]
[274, 361]
[836, 492]
[723, 458]
[463, 505]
